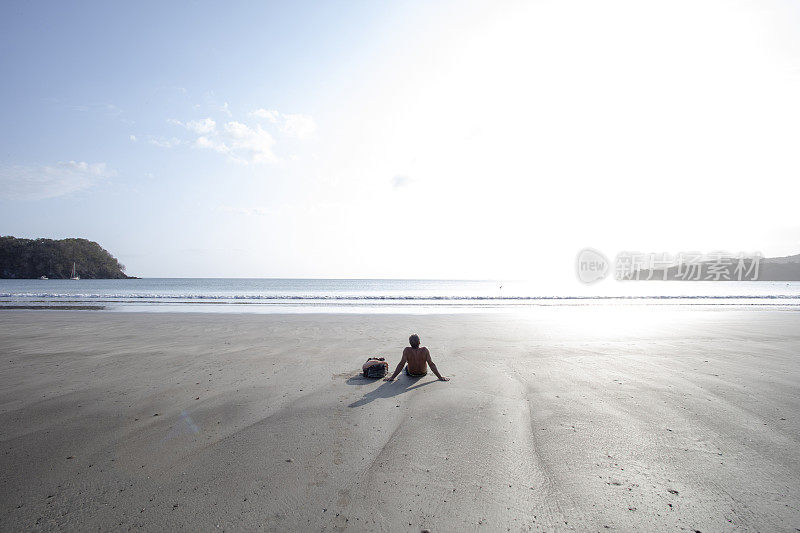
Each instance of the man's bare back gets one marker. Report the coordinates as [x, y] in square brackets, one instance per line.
[418, 359]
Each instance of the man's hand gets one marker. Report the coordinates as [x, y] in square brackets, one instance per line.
[400, 365]
[442, 378]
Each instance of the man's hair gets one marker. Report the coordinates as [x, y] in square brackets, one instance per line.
[414, 340]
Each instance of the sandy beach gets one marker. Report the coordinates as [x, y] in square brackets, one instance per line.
[596, 418]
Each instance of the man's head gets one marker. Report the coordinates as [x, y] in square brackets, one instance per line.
[414, 340]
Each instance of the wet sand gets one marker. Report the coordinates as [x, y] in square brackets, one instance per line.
[628, 418]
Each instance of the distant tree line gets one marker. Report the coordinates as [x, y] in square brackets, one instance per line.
[33, 258]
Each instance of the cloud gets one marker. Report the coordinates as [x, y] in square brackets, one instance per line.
[242, 142]
[95, 169]
[401, 180]
[254, 144]
[201, 126]
[292, 125]
[38, 182]
[267, 114]
[164, 142]
[206, 125]
[133, 138]
[213, 144]
[298, 126]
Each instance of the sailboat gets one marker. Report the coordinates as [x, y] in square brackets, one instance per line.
[74, 275]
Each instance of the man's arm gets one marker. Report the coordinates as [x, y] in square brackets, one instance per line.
[433, 366]
[399, 368]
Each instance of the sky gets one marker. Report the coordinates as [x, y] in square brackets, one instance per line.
[448, 140]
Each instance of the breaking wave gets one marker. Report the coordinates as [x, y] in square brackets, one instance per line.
[373, 297]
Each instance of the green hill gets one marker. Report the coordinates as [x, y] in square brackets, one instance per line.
[32, 258]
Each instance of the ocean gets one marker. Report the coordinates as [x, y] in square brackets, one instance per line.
[378, 295]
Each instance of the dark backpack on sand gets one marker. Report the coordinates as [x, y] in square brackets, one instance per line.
[375, 367]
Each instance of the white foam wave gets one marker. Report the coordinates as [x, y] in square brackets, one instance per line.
[381, 298]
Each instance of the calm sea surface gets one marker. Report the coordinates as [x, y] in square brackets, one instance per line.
[370, 295]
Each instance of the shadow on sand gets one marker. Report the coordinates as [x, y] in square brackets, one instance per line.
[386, 389]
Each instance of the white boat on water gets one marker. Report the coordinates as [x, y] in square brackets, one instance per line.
[43, 277]
[74, 275]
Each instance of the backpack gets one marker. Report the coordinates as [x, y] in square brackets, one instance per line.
[375, 367]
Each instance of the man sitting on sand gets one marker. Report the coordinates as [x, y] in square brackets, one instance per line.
[418, 360]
